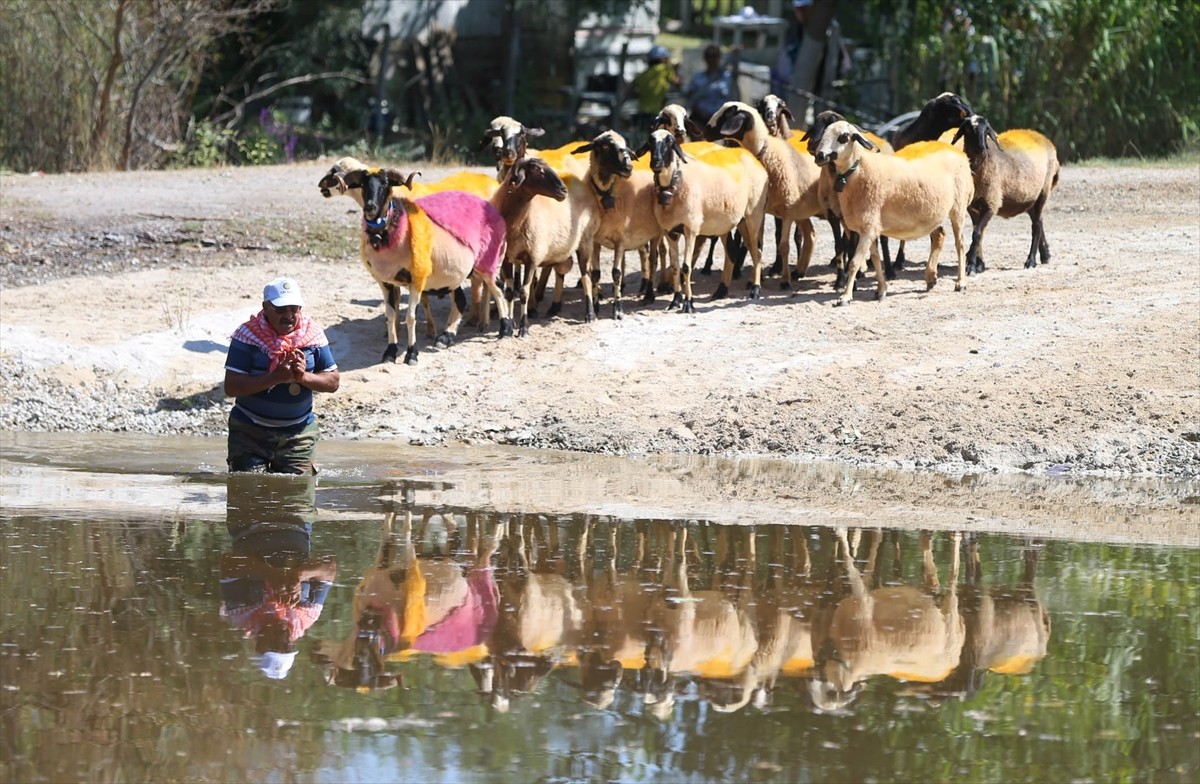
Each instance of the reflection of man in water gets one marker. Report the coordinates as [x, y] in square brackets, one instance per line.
[271, 587]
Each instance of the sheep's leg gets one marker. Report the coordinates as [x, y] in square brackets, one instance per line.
[712, 246]
[560, 276]
[430, 326]
[862, 248]
[664, 274]
[777, 267]
[900, 261]
[458, 305]
[974, 261]
[543, 278]
[648, 256]
[585, 277]
[493, 292]
[391, 309]
[783, 250]
[410, 321]
[880, 278]
[839, 241]
[751, 235]
[678, 299]
[936, 239]
[956, 225]
[618, 280]
[808, 241]
[889, 269]
[1039, 235]
[523, 284]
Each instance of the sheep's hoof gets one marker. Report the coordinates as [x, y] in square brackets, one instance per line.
[755, 291]
[929, 284]
[666, 288]
[841, 301]
[445, 339]
[506, 328]
[777, 267]
[890, 272]
[390, 353]
[1031, 264]
[721, 292]
[960, 286]
[676, 301]
[706, 269]
[648, 295]
[689, 306]
[785, 285]
[555, 308]
[879, 295]
[737, 272]
[410, 356]
[589, 316]
[618, 311]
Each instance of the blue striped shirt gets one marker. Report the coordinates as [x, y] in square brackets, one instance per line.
[277, 406]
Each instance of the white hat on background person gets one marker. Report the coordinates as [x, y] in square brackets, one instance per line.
[283, 293]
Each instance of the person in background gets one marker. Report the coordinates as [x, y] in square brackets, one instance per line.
[710, 89]
[809, 70]
[651, 87]
[276, 361]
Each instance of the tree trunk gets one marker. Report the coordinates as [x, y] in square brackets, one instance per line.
[104, 103]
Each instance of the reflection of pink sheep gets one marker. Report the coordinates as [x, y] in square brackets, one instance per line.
[407, 605]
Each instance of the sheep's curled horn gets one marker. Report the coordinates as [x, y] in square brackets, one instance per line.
[395, 177]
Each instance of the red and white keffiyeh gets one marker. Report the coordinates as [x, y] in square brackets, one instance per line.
[258, 332]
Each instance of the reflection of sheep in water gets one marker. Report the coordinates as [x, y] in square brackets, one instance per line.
[408, 604]
[539, 620]
[1007, 627]
[907, 633]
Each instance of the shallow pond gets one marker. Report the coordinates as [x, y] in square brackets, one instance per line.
[423, 615]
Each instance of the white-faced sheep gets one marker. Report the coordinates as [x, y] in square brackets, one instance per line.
[793, 194]
[1012, 178]
[690, 136]
[548, 219]
[708, 201]
[906, 196]
[623, 200]
[435, 242]
[844, 242]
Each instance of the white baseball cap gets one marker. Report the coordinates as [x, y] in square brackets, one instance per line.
[282, 293]
[275, 665]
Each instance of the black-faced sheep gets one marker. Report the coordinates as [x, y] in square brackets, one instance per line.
[435, 242]
[906, 196]
[623, 200]
[1014, 177]
[709, 200]
[793, 196]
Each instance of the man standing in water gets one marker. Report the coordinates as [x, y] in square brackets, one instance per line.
[276, 361]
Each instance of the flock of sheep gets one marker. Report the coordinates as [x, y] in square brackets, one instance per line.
[548, 209]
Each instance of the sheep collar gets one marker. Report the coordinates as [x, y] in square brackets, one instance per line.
[379, 230]
[839, 179]
[607, 201]
[667, 192]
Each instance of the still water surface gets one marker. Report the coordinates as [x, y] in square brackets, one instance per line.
[180, 625]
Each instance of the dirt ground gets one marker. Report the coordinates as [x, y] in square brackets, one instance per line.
[120, 292]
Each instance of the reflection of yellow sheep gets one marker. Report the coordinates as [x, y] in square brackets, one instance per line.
[907, 195]
[1012, 178]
